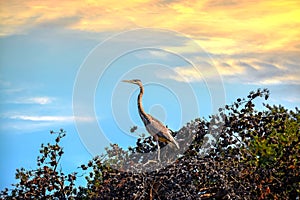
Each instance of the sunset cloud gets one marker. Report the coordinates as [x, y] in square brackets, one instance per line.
[247, 71]
[227, 29]
[262, 25]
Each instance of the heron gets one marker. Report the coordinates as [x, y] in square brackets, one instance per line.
[155, 128]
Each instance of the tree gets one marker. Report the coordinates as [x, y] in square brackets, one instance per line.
[254, 154]
[47, 181]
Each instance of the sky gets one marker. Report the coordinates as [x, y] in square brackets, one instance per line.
[62, 62]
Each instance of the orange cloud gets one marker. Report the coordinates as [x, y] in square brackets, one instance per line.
[229, 26]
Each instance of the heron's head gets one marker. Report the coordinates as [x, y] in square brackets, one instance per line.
[133, 81]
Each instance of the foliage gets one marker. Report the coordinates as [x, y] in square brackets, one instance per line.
[47, 181]
[250, 154]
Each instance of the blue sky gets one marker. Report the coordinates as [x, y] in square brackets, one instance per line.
[44, 50]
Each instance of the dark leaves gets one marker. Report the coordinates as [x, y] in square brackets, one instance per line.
[239, 167]
[133, 129]
[34, 183]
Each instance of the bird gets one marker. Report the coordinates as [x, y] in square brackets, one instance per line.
[155, 128]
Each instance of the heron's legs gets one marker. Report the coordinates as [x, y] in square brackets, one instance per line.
[158, 147]
[158, 151]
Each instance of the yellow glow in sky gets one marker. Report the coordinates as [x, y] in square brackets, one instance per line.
[228, 27]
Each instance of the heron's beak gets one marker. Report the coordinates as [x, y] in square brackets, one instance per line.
[127, 81]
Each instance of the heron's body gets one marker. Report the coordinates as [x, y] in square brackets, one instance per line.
[159, 131]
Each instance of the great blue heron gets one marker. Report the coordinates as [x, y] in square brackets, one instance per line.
[156, 128]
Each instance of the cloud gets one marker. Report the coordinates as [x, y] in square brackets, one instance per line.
[43, 118]
[258, 24]
[185, 74]
[24, 118]
[35, 100]
[51, 118]
[204, 72]
[221, 27]
[260, 72]
[43, 100]
[254, 42]
[7, 88]
[246, 71]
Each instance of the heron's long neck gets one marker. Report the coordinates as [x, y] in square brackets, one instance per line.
[142, 112]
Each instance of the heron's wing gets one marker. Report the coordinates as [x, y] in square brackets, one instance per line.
[163, 133]
[155, 126]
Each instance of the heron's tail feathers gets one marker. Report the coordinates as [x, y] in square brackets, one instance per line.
[174, 144]
[168, 138]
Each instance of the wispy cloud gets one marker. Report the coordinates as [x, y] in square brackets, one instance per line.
[18, 94]
[35, 100]
[185, 74]
[51, 118]
[7, 88]
[246, 71]
[43, 118]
